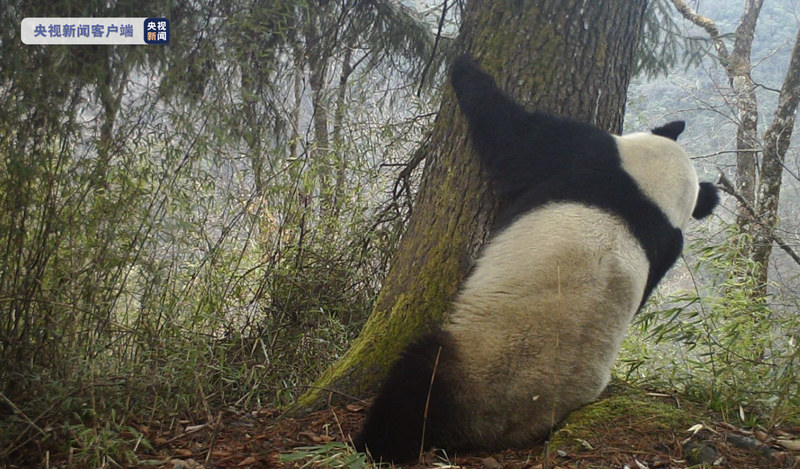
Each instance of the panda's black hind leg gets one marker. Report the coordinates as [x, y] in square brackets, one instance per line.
[393, 428]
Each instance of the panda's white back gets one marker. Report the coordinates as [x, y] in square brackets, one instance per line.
[526, 320]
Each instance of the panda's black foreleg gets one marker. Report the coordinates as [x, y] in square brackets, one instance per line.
[493, 117]
[393, 430]
[476, 91]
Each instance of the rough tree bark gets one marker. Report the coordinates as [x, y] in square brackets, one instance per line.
[776, 144]
[738, 68]
[757, 187]
[563, 56]
[318, 54]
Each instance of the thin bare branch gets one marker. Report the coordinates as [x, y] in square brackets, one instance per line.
[705, 23]
[727, 186]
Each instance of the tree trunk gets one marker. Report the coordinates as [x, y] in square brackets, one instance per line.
[318, 54]
[338, 145]
[567, 57]
[738, 67]
[776, 144]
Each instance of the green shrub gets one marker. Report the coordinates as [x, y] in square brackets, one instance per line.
[718, 341]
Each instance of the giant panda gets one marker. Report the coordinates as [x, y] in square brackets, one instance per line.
[589, 223]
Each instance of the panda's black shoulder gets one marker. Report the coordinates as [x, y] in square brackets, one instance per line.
[534, 158]
[553, 158]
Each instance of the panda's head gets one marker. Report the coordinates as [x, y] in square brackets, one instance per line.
[665, 174]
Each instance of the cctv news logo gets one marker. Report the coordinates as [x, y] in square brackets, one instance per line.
[95, 31]
[156, 31]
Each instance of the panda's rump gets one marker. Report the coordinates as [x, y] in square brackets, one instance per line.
[540, 320]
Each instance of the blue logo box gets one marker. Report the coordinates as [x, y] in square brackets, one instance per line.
[156, 31]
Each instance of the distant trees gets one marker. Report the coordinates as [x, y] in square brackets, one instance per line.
[760, 159]
[723, 334]
[220, 208]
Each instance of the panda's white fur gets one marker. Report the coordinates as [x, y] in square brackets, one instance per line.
[663, 171]
[551, 286]
[588, 224]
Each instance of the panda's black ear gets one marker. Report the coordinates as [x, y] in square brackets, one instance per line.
[707, 200]
[671, 130]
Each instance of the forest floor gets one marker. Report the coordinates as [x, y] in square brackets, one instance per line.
[627, 437]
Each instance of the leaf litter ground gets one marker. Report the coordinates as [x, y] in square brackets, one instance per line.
[615, 432]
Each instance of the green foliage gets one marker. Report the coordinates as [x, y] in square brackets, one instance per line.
[167, 242]
[105, 444]
[714, 343]
[327, 455]
[83, 422]
[661, 46]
